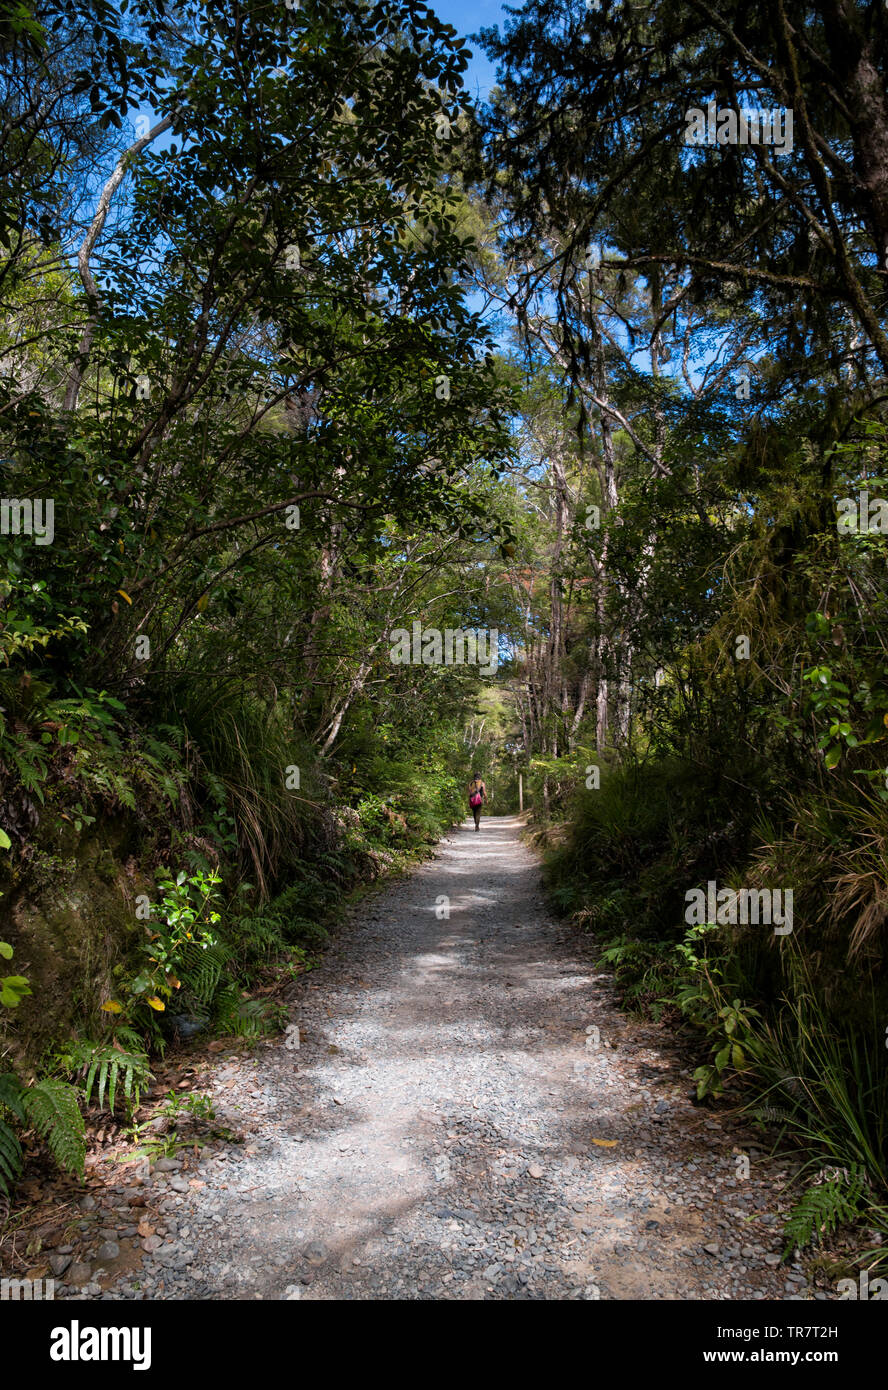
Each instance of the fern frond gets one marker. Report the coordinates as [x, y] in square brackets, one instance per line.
[107, 1062]
[10, 1158]
[11, 1091]
[51, 1107]
[236, 1015]
[201, 970]
[823, 1208]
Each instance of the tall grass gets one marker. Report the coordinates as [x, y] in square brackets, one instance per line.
[816, 1002]
[242, 747]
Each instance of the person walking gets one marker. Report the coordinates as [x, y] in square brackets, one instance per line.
[477, 797]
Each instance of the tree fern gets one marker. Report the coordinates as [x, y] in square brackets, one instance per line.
[824, 1207]
[51, 1107]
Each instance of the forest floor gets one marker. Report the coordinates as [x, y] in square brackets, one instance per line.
[449, 1127]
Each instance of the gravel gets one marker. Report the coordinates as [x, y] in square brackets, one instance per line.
[468, 1116]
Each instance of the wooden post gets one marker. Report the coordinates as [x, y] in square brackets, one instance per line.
[520, 793]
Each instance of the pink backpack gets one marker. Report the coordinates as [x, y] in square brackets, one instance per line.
[475, 799]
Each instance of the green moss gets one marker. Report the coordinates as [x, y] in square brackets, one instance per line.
[70, 919]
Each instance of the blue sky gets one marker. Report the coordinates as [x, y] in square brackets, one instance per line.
[468, 16]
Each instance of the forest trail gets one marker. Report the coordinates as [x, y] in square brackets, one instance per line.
[445, 1129]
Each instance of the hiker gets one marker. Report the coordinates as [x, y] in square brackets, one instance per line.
[477, 797]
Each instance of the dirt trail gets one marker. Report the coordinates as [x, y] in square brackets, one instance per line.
[450, 1127]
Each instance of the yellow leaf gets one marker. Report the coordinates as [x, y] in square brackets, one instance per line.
[202, 602]
[156, 1003]
[112, 1008]
[605, 1143]
[126, 596]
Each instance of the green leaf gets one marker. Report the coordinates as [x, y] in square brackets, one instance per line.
[51, 1107]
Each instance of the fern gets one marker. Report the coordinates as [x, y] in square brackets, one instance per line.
[201, 970]
[824, 1207]
[51, 1107]
[105, 1063]
[10, 1158]
[259, 937]
[11, 1090]
[236, 1015]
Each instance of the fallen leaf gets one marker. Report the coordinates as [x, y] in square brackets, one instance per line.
[145, 1228]
[605, 1143]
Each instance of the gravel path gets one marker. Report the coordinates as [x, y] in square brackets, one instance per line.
[453, 1127]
